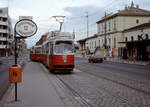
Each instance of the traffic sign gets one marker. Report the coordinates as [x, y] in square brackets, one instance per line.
[25, 28]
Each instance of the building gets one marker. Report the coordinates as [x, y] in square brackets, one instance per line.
[116, 23]
[137, 41]
[42, 39]
[22, 46]
[6, 36]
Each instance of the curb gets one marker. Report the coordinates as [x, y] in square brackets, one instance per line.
[128, 63]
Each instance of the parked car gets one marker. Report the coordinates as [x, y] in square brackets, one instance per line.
[97, 57]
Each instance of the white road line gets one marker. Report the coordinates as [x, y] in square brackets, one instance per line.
[76, 70]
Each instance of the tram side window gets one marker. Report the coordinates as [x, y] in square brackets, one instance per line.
[47, 49]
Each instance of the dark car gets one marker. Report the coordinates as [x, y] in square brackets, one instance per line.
[98, 56]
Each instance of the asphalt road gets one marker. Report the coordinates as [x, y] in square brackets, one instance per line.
[4, 71]
[128, 69]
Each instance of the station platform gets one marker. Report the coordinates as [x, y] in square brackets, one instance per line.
[35, 90]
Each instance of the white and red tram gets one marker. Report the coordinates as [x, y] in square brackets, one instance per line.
[57, 52]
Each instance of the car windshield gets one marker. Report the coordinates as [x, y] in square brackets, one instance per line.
[99, 53]
[63, 47]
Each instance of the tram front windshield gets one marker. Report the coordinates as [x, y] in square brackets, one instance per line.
[63, 47]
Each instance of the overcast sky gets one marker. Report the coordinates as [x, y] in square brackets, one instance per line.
[74, 10]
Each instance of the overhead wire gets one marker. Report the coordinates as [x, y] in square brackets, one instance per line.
[112, 3]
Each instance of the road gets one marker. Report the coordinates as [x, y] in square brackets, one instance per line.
[106, 84]
[4, 71]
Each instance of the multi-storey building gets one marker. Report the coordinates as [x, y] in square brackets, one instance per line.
[116, 24]
[137, 41]
[6, 36]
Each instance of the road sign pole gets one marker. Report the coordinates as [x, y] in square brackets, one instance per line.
[24, 28]
[15, 91]
[15, 62]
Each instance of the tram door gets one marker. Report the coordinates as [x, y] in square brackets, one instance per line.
[51, 50]
[47, 53]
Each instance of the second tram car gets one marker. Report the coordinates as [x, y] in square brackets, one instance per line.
[57, 52]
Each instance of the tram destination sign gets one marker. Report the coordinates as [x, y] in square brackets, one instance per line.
[25, 28]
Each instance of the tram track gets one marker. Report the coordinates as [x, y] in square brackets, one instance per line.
[106, 77]
[113, 95]
[74, 92]
[82, 99]
[57, 82]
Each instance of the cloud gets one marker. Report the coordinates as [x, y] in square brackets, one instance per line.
[77, 20]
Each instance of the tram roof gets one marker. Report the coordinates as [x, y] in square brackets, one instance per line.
[59, 35]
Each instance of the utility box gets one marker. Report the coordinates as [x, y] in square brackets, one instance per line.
[15, 73]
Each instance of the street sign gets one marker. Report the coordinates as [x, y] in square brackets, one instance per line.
[25, 28]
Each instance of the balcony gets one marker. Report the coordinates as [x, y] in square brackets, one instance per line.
[3, 23]
[2, 38]
[2, 46]
[3, 31]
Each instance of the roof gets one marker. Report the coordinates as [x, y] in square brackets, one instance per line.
[139, 27]
[128, 11]
[83, 40]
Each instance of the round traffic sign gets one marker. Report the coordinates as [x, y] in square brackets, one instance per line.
[25, 28]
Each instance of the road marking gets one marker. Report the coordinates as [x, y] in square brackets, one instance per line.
[76, 70]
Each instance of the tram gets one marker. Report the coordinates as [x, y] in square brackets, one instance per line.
[57, 52]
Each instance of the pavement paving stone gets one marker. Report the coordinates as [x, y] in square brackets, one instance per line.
[34, 91]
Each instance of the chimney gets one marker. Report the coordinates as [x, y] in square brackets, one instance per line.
[137, 6]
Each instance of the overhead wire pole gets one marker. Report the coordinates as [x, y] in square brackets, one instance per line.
[7, 32]
[105, 40]
[87, 24]
[105, 27]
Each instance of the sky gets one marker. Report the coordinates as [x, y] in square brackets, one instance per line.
[74, 10]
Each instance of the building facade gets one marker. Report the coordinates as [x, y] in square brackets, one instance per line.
[6, 35]
[137, 41]
[116, 24]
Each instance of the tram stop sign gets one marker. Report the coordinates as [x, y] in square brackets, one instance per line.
[25, 28]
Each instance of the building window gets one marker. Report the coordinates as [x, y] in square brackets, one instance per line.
[137, 21]
[99, 43]
[139, 37]
[1, 11]
[102, 27]
[132, 38]
[146, 36]
[126, 39]
[114, 24]
[109, 41]
[114, 42]
[109, 26]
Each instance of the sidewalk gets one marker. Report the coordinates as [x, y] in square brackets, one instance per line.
[118, 60]
[34, 91]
